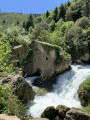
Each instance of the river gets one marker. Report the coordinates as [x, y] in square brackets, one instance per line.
[64, 91]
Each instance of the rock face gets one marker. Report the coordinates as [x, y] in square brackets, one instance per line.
[64, 113]
[84, 98]
[84, 92]
[49, 113]
[86, 57]
[20, 87]
[47, 59]
[61, 111]
[83, 58]
[76, 115]
[6, 117]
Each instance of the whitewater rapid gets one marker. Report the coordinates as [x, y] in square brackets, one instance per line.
[64, 93]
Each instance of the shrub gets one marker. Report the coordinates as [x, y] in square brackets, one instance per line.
[9, 104]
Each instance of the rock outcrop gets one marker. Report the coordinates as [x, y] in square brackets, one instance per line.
[50, 113]
[76, 115]
[64, 113]
[61, 111]
[6, 117]
[47, 59]
[84, 92]
[83, 58]
[20, 87]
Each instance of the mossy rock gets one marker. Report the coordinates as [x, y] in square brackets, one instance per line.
[87, 110]
[41, 91]
[49, 113]
[84, 92]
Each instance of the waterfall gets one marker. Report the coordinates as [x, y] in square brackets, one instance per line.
[64, 93]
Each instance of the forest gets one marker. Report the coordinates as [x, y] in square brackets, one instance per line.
[67, 26]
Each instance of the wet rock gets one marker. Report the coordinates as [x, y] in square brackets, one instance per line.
[49, 113]
[76, 115]
[61, 110]
[37, 82]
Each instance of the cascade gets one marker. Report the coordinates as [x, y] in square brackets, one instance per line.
[64, 91]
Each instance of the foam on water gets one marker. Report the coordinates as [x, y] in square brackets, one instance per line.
[65, 91]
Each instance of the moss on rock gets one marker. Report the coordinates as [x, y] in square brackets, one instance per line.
[84, 92]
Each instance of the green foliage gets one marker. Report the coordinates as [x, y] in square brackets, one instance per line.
[86, 8]
[16, 35]
[86, 86]
[74, 11]
[30, 22]
[77, 39]
[38, 28]
[11, 37]
[5, 57]
[52, 25]
[10, 104]
[62, 12]
[47, 14]
[44, 36]
[86, 109]
[55, 14]
[13, 18]
[38, 19]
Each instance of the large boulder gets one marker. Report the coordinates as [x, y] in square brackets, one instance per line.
[76, 115]
[20, 87]
[6, 117]
[49, 113]
[61, 111]
[84, 92]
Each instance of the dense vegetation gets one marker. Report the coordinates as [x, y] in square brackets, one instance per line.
[67, 26]
[9, 104]
[84, 92]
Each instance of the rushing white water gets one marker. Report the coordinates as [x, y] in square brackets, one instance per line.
[65, 91]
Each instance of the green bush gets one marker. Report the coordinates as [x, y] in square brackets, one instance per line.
[9, 104]
[86, 86]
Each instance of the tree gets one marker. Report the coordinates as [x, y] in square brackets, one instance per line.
[17, 23]
[38, 28]
[5, 56]
[55, 16]
[68, 3]
[86, 8]
[62, 12]
[38, 19]
[47, 14]
[74, 11]
[4, 21]
[24, 24]
[52, 25]
[30, 22]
